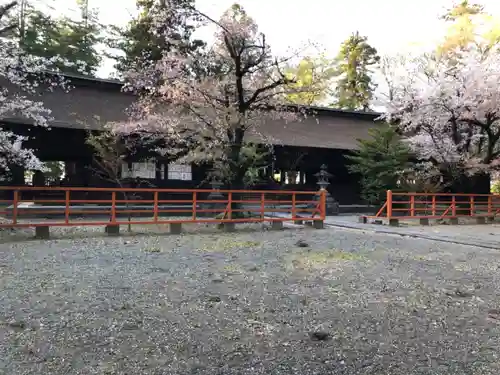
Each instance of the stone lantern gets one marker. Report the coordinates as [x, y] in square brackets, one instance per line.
[215, 194]
[323, 176]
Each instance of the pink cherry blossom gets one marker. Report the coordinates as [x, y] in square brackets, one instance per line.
[21, 80]
[204, 105]
[450, 110]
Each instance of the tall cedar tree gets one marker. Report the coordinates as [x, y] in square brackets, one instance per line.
[144, 40]
[76, 40]
[355, 86]
[380, 162]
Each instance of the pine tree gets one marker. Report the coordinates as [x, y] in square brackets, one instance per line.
[380, 161]
[355, 86]
[46, 36]
[141, 41]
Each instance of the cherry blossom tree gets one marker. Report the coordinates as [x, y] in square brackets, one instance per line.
[450, 114]
[206, 106]
[21, 77]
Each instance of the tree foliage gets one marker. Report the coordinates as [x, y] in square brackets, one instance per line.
[381, 161]
[450, 113]
[355, 87]
[316, 75]
[159, 28]
[213, 115]
[76, 41]
[21, 78]
[469, 23]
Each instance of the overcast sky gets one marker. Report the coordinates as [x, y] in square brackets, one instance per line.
[392, 26]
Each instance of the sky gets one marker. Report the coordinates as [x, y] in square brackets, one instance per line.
[392, 26]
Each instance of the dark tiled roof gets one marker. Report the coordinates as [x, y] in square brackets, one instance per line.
[94, 102]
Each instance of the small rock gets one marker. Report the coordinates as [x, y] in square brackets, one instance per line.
[218, 281]
[319, 336]
[301, 243]
[17, 324]
[253, 269]
[130, 326]
[214, 299]
[459, 293]
[494, 314]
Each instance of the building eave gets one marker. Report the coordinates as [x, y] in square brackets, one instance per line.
[81, 80]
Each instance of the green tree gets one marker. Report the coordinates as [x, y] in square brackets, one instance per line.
[469, 23]
[355, 86]
[314, 73]
[75, 41]
[143, 40]
[381, 161]
[9, 25]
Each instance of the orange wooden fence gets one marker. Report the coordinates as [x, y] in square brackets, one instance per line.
[438, 206]
[50, 206]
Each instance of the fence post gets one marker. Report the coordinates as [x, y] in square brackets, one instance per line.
[412, 205]
[294, 210]
[228, 225]
[15, 204]
[66, 209]
[262, 205]
[113, 207]
[320, 224]
[491, 216]
[194, 205]
[392, 221]
[389, 204]
[230, 205]
[155, 207]
[113, 229]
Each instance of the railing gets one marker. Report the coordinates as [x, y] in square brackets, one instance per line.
[438, 206]
[37, 207]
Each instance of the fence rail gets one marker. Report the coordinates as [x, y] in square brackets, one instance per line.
[50, 206]
[438, 206]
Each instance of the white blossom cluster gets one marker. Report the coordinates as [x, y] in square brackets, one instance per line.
[449, 110]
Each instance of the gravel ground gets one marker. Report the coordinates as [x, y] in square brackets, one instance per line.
[290, 302]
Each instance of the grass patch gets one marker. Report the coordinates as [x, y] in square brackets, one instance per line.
[321, 259]
[152, 249]
[227, 244]
[233, 268]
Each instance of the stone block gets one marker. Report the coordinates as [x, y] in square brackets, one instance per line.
[276, 225]
[362, 219]
[318, 224]
[394, 222]
[229, 227]
[481, 220]
[299, 222]
[112, 230]
[42, 233]
[175, 228]
[454, 221]
[424, 221]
